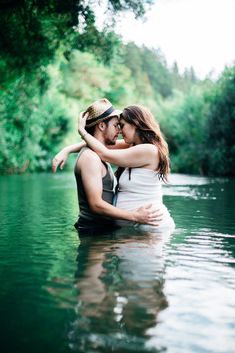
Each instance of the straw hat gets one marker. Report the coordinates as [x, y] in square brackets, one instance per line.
[100, 110]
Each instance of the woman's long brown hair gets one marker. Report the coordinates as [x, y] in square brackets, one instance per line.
[149, 132]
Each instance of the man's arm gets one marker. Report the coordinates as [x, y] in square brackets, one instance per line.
[91, 172]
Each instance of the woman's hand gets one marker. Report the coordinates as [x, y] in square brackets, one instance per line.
[82, 123]
[59, 160]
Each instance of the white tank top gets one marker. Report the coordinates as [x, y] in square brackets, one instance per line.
[141, 188]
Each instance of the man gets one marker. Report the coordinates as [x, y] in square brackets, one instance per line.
[95, 179]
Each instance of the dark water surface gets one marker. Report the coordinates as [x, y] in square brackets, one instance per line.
[119, 292]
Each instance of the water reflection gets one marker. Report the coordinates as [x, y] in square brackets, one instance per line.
[120, 284]
[128, 297]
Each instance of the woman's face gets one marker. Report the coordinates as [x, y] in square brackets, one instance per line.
[128, 131]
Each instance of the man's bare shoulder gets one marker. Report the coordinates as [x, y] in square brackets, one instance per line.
[88, 158]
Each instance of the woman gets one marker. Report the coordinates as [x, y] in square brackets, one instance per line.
[145, 164]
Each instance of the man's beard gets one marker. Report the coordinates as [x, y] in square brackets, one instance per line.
[109, 142]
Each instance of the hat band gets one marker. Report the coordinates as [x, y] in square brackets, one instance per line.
[103, 115]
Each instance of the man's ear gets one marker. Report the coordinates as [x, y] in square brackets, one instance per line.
[101, 126]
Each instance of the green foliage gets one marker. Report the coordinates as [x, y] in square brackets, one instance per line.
[220, 146]
[184, 126]
[31, 126]
[133, 60]
[86, 79]
[138, 7]
[83, 77]
[32, 30]
[183, 82]
[154, 64]
[200, 127]
[105, 44]
[149, 71]
[54, 62]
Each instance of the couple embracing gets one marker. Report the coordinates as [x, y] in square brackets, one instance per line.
[133, 197]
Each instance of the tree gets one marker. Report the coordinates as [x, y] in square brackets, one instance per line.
[184, 125]
[149, 70]
[32, 30]
[31, 127]
[220, 147]
[154, 64]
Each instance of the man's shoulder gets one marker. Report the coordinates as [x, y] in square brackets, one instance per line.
[89, 155]
[88, 158]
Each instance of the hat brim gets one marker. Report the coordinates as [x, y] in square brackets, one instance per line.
[115, 113]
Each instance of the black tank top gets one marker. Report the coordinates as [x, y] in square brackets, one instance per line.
[87, 218]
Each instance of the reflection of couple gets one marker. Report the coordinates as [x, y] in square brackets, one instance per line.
[120, 285]
[143, 158]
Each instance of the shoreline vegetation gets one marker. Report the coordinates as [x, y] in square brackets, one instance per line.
[54, 62]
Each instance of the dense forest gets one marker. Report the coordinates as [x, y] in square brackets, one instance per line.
[54, 62]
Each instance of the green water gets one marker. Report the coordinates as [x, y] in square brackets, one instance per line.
[120, 292]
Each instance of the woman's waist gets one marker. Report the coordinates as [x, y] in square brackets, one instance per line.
[129, 201]
[166, 222]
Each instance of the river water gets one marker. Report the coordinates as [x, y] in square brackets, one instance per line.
[120, 292]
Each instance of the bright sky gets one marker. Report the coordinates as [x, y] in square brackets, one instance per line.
[198, 33]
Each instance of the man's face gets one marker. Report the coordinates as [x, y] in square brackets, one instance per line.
[111, 132]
